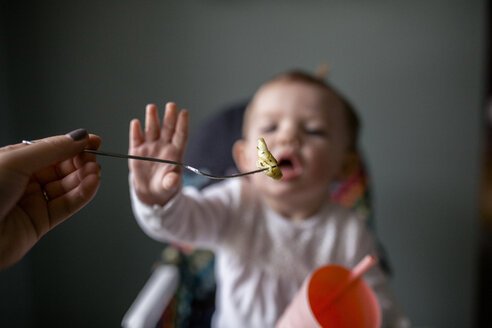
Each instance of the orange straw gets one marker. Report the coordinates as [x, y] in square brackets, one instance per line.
[362, 267]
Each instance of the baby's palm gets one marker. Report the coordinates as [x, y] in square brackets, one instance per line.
[156, 183]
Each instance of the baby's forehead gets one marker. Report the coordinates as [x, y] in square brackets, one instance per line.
[274, 94]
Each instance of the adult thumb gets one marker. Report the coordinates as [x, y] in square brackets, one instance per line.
[44, 152]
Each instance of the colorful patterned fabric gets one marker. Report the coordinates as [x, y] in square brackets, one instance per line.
[354, 193]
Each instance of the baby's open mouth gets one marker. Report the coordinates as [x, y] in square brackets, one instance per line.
[286, 163]
[290, 166]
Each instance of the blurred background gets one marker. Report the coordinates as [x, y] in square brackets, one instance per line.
[415, 70]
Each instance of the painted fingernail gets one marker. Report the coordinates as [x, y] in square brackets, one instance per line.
[78, 134]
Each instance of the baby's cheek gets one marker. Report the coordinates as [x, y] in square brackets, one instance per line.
[260, 180]
[322, 171]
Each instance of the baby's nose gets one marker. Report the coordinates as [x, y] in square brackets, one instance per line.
[290, 136]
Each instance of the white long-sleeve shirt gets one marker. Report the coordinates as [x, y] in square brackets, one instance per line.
[262, 258]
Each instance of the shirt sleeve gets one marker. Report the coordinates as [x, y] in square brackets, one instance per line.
[191, 216]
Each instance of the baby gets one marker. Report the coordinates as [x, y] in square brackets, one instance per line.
[267, 234]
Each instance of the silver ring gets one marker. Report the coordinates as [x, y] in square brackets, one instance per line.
[45, 195]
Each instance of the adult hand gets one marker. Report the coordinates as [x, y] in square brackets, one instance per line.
[156, 183]
[41, 185]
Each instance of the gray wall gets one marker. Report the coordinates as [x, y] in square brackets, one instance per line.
[414, 70]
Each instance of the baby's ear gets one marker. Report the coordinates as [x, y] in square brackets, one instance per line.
[350, 164]
[239, 155]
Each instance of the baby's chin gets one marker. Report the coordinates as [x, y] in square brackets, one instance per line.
[267, 186]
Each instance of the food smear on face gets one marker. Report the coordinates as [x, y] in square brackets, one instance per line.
[266, 160]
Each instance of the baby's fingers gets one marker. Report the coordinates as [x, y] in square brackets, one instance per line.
[136, 135]
[152, 129]
[180, 137]
[169, 122]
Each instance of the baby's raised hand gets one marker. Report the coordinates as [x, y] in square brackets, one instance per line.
[156, 183]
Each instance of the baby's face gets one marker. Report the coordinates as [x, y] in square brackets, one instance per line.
[304, 128]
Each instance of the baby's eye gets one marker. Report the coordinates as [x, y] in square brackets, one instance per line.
[315, 131]
[268, 128]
